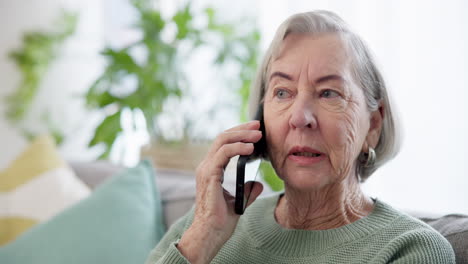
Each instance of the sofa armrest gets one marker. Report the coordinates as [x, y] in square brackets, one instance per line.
[95, 172]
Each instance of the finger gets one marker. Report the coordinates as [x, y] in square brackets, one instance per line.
[245, 136]
[222, 157]
[247, 132]
[251, 125]
[239, 136]
[226, 152]
[252, 190]
[213, 168]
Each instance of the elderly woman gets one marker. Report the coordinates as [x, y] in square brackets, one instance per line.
[328, 126]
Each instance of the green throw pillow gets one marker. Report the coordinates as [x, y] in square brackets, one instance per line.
[121, 222]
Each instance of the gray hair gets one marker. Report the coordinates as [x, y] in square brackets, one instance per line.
[364, 70]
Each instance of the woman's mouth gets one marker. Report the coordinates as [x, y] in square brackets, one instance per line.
[305, 156]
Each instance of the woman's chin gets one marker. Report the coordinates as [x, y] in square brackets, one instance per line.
[302, 181]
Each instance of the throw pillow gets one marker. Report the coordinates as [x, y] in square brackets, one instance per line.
[121, 222]
[35, 187]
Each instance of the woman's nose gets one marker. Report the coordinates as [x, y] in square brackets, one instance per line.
[302, 115]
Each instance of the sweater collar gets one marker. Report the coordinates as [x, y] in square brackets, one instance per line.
[270, 236]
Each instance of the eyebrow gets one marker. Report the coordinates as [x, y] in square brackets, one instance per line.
[331, 77]
[326, 78]
[281, 75]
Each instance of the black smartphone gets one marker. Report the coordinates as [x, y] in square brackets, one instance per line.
[240, 203]
[259, 152]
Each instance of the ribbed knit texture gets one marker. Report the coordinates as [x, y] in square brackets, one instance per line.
[384, 236]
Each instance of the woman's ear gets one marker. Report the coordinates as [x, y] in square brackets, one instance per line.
[375, 128]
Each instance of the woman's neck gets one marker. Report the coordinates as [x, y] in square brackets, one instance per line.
[326, 208]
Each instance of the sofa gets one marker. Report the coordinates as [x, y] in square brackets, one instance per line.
[177, 190]
[120, 213]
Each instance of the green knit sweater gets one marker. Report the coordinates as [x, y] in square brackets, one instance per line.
[384, 236]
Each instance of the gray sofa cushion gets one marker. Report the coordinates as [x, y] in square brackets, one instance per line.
[95, 172]
[177, 188]
[454, 227]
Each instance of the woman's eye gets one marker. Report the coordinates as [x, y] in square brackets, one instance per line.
[329, 94]
[282, 94]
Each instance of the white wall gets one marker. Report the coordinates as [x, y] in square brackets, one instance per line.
[12, 25]
[67, 78]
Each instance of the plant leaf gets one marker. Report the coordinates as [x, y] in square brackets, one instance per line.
[106, 133]
[33, 59]
[120, 60]
[182, 19]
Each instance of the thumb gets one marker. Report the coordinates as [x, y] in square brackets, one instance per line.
[252, 190]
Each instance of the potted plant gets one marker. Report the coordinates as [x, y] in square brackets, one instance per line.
[33, 58]
[158, 76]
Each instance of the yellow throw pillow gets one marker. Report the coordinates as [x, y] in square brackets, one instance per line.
[35, 187]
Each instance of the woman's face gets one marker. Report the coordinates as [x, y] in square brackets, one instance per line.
[315, 115]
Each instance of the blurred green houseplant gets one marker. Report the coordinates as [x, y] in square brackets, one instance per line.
[159, 75]
[33, 58]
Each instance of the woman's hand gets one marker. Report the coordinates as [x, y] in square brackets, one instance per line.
[215, 219]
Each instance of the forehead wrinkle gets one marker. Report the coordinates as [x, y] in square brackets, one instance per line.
[330, 65]
[333, 59]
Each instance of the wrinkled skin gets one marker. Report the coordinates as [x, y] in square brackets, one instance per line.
[214, 218]
[302, 108]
